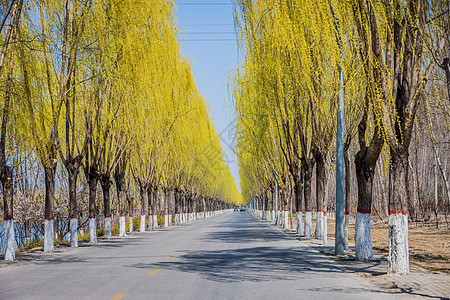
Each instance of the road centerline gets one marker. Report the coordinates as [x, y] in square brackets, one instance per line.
[152, 272]
[118, 296]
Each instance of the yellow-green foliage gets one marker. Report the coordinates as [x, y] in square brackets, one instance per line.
[286, 89]
[131, 91]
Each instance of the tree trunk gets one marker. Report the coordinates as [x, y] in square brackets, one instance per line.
[49, 229]
[446, 67]
[188, 203]
[130, 212]
[166, 208]
[169, 204]
[73, 170]
[307, 176]
[444, 178]
[364, 175]
[347, 193]
[321, 179]
[143, 202]
[8, 193]
[121, 196]
[398, 260]
[178, 207]
[274, 206]
[150, 210]
[184, 209]
[298, 194]
[436, 197]
[93, 181]
[156, 202]
[106, 186]
[263, 207]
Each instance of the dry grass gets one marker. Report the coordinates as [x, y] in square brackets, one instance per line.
[429, 248]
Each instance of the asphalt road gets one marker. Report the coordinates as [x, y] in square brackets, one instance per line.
[232, 256]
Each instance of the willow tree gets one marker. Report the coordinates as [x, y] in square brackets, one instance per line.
[266, 76]
[291, 56]
[257, 136]
[401, 71]
[42, 101]
[12, 19]
[114, 62]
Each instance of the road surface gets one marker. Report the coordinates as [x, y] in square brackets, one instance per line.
[232, 256]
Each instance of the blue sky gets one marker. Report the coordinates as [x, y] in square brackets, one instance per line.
[208, 40]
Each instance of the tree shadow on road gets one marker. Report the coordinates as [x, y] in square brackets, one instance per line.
[250, 264]
[256, 258]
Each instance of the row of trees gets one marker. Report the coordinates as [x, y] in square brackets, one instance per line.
[99, 89]
[389, 58]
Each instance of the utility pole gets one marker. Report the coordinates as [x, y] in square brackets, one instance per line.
[339, 244]
[277, 214]
[263, 207]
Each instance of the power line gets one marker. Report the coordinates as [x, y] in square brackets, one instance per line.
[194, 25]
[205, 3]
[210, 32]
[208, 40]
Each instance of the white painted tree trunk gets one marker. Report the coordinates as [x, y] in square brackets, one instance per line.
[8, 239]
[166, 220]
[286, 219]
[325, 228]
[108, 227]
[398, 259]
[170, 220]
[346, 224]
[130, 224]
[142, 224]
[49, 236]
[273, 216]
[363, 241]
[308, 224]
[319, 225]
[74, 232]
[122, 230]
[155, 221]
[150, 222]
[92, 230]
[299, 217]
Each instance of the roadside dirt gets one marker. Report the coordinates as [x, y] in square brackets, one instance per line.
[429, 248]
